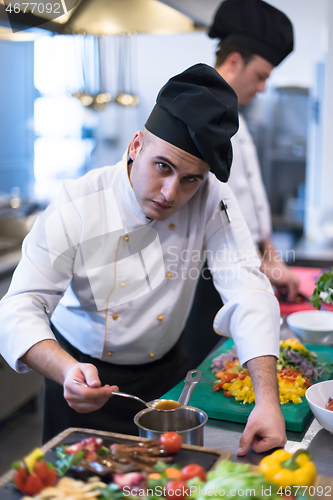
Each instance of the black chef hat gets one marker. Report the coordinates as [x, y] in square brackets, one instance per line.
[256, 26]
[197, 112]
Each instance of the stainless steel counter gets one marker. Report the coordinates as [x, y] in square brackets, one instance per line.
[223, 435]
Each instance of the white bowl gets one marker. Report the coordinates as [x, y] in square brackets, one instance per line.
[315, 327]
[317, 396]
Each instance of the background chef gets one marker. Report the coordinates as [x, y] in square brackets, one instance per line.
[254, 38]
[99, 296]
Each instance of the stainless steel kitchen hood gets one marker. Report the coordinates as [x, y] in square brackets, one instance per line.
[109, 17]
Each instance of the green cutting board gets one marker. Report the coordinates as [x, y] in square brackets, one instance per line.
[220, 407]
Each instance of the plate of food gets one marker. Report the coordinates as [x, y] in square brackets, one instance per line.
[84, 454]
[225, 392]
[84, 464]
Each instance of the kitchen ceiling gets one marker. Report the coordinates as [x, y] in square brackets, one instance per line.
[107, 17]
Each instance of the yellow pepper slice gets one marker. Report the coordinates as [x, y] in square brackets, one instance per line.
[294, 344]
[32, 458]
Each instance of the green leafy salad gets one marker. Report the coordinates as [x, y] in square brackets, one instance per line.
[323, 291]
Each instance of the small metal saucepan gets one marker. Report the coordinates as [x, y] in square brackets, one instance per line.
[186, 420]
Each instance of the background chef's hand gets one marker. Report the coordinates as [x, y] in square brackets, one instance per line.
[278, 273]
[265, 429]
[86, 399]
[281, 276]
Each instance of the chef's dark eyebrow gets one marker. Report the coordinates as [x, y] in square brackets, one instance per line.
[165, 160]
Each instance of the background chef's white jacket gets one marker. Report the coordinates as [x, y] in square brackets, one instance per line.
[119, 286]
[246, 183]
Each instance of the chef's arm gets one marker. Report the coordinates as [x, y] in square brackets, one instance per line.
[265, 428]
[278, 273]
[250, 315]
[49, 359]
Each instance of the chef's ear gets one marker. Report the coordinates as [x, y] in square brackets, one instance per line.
[135, 145]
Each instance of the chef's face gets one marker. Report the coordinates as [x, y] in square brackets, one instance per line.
[248, 79]
[163, 176]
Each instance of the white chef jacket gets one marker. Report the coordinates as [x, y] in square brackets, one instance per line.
[246, 183]
[119, 286]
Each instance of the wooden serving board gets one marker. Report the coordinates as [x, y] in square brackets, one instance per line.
[220, 407]
[206, 457]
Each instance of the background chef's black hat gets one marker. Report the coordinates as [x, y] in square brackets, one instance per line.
[197, 111]
[256, 26]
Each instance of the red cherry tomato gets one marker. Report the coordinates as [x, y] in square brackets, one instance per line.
[176, 489]
[20, 478]
[193, 470]
[46, 474]
[52, 479]
[172, 441]
[33, 485]
[330, 405]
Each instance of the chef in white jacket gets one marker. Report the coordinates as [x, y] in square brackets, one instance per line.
[254, 38]
[108, 272]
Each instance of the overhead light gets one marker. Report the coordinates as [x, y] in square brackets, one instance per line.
[127, 99]
[97, 101]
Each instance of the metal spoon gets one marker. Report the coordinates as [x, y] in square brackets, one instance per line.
[191, 380]
[151, 404]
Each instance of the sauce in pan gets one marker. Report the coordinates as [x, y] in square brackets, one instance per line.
[167, 404]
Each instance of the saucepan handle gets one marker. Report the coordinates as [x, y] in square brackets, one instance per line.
[191, 380]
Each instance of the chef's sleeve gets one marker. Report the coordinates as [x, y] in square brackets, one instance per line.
[38, 283]
[250, 314]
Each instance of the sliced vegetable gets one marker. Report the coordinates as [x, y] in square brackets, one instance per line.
[32, 458]
[65, 461]
[130, 480]
[297, 368]
[173, 473]
[234, 371]
[31, 483]
[240, 389]
[293, 344]
[329, 404]
[90, 447]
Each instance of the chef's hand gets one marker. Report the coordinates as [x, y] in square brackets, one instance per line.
[86, 399]
[265, 429]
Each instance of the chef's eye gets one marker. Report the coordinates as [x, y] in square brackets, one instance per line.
[163, 166]
[190, 178]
